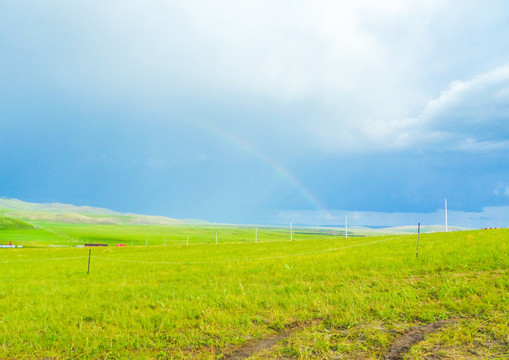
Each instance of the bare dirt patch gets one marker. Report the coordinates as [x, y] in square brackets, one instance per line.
[411, 337]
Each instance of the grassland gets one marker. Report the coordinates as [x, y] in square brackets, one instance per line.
[321, 296]
[41, 233]
[8, 223]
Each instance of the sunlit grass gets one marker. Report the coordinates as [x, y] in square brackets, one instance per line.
[198, 301]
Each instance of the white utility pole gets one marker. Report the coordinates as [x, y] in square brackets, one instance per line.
[256, 235]
[346, 226]
[291, 232]
[446, 226]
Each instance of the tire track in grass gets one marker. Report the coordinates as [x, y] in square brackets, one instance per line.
[397, 351]
[411, 337]
[254, 346]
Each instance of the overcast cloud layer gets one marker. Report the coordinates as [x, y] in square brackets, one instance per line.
[239, 111]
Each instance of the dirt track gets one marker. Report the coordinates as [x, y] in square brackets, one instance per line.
[412, 336]
[398, 349]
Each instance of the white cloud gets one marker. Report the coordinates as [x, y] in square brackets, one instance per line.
[502, 189]
[485, 89]
[470, 115]
[363, 70]
[284, 50]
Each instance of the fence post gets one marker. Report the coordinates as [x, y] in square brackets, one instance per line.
[418, 233]
[89, 252]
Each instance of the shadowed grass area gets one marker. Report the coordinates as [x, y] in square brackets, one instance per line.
[202, 301]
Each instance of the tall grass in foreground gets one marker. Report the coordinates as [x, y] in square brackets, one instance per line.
[198, 301]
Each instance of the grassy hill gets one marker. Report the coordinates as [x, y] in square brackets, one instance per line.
[71, 214]
[8, 223]
[19, 205]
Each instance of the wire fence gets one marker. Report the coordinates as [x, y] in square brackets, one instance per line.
[307, 253]
[45, 259]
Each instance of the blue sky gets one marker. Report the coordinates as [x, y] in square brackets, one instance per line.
[259, 111]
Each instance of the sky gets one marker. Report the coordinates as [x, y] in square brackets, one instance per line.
[259, 112]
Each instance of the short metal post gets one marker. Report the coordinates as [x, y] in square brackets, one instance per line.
[89, 252]
[418, 233]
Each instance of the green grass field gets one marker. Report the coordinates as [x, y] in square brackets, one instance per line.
[322, 296]
[40, 234]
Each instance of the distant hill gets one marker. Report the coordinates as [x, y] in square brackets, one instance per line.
[66, 213]
[18, 205]
[8, 223]
[24, 212]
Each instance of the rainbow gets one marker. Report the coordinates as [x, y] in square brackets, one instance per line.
[279, 169]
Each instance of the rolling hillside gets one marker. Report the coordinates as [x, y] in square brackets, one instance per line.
[8, 223]
[66, 213]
